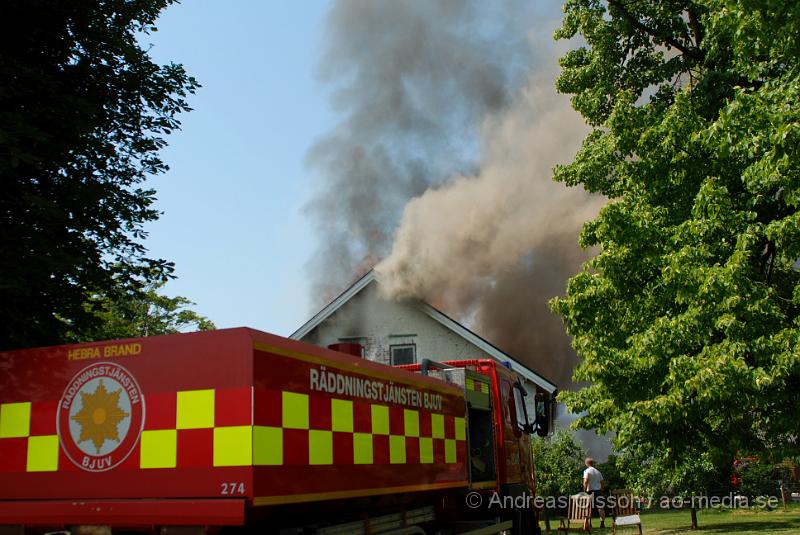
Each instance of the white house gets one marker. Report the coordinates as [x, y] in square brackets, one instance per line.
[393, 332]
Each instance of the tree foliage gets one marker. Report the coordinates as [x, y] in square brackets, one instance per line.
[686, 320]
[758, 478]
[142, 313]
[83, 112]
[613, 478]
[559, 463]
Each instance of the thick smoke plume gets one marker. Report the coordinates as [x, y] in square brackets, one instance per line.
[500, 243]
[442, 165]
[412, 82]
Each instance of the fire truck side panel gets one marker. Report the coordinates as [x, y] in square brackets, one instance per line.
[144, 418]
[332, 426]
[201, 425]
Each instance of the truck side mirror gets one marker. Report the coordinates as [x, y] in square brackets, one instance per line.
[529, 428]
[542, 422]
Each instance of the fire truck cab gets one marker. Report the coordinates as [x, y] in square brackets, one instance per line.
[498, 427]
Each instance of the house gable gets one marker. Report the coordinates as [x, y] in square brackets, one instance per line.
[361, 315]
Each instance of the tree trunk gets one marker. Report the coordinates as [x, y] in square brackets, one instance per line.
[546, 519]
[783, 496]
[694, 518]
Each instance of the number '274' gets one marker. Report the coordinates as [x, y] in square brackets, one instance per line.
[231, 489]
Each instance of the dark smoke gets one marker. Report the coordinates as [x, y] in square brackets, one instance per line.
[413, 82]
[497, 245]
[515, 311]
[441, 166]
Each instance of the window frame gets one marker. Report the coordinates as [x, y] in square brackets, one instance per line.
[519, 409]
[411, 345]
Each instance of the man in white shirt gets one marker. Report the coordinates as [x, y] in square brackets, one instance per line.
[593, 484]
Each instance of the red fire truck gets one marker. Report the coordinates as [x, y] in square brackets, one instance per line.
[240, 428]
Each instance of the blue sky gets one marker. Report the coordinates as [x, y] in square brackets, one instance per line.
[233, 197]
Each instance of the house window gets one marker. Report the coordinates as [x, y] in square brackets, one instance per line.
[403, 354]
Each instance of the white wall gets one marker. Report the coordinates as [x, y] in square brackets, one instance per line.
[377, 323]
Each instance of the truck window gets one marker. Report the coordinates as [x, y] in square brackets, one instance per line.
[507, 402]
[519, 407]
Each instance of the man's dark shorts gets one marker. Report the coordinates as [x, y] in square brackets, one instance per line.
[598, 501]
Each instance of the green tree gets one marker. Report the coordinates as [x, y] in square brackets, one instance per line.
[558, 461]
[142, 313]
[757, 478]
[652, 472]
[82, 113]
[612, 475]
[686, 320]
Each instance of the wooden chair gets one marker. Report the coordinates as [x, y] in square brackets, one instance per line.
[579, 514]
[625, 512]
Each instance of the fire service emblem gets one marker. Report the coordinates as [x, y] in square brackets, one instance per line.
[100, 416]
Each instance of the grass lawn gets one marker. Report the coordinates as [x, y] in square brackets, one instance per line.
[740, 522]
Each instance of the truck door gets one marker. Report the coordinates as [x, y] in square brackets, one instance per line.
[483, 471]
[516, 441]
[524, 428]
[511, 434]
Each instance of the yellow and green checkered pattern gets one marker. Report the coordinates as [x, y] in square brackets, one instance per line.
[19, 449]
[272, 447]
[194, 436]
[478, 386]
[219, 445]
[232, 446]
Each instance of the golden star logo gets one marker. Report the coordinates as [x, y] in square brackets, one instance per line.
[100, 416]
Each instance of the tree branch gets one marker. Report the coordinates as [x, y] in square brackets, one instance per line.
[694, 53]
[694, 24]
